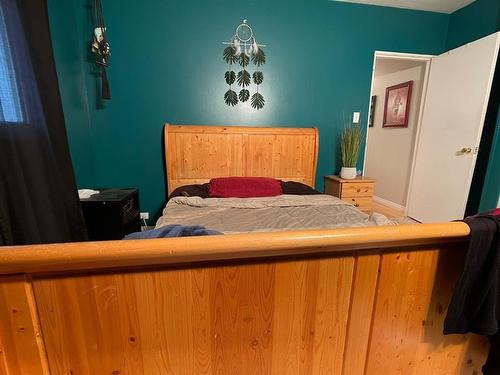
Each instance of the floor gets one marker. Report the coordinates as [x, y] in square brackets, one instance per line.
[391, 213]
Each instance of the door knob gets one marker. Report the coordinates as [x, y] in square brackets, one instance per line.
[466, 150]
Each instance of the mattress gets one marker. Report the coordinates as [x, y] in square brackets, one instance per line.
[268, 214]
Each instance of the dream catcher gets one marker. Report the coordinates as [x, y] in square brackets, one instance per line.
[100, 47]
[241, 50]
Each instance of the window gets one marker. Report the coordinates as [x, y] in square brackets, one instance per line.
[10, 108]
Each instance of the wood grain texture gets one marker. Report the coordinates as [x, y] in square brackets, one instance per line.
[358, 191]
[412, 295]
[342, 313]
[286, 318]
[360, 313]
[195, 154]
[21, 347]
[311, 313]
[347, 181]
[114, 254]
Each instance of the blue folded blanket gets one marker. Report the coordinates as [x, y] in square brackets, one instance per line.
[173, 230]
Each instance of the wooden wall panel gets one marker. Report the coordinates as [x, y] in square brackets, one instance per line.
[286, 317]
[21, 346]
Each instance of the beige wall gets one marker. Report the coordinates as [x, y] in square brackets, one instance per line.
[390, 150]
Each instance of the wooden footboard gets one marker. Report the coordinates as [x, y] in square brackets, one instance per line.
[346, 301]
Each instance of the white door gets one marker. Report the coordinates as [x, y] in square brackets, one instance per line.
[454, 111]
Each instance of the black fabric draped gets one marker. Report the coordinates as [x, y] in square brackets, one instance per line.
[38, 197]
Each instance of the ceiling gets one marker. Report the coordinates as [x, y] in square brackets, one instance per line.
[388, 66]
[442, 6]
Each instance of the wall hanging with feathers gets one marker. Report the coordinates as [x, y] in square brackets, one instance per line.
[241, 50]
[100, 47]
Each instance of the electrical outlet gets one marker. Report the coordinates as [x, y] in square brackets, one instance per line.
[144, 215]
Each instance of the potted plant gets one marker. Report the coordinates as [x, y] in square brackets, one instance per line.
[350, 143]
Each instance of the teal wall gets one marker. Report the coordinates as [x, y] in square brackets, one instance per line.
[472, 22]
[69, 55]
[167, 67]
[491, 189]
[475, 21]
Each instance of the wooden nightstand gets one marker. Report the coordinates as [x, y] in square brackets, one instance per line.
[358, 191]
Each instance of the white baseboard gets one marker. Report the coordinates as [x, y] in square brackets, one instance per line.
[390, 204]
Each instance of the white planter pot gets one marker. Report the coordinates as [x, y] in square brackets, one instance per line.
[348, 173]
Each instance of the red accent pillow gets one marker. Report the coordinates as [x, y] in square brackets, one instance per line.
[244, 187]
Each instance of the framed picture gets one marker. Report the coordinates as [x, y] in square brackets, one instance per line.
[372, 110]
[397, 105]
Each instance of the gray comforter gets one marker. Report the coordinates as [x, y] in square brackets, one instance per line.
[269, 214]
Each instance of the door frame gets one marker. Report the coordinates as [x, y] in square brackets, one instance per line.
[401, 56]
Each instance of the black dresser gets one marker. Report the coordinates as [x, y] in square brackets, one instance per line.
[111, 214]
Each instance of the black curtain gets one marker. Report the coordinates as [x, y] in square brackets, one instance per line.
[38, 197]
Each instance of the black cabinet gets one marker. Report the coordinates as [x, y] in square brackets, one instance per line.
[111, 214]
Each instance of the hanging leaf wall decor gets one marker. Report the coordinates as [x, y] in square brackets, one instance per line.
[258, 78]
[243, 78]
[259, 58]
[257, 101]
[230, 77]
[242, 49]
[229, 55]
[257, 98]
[244, 95]
[231, 98]
[244, 60]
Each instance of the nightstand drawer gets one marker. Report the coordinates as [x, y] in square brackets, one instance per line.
[357, 190]
[363, 204]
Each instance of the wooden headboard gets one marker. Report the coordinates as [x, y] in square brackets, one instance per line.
[195, 154]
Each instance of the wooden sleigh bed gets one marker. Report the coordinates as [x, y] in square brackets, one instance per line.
[345, 301]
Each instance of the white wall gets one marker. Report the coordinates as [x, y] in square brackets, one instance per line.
[390, 150]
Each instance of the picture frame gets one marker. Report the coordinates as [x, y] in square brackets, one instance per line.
[397, 105]
[371, 119]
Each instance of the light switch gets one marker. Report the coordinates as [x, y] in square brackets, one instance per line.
[355, 118]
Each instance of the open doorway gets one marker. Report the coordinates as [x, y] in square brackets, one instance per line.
[390, 150]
